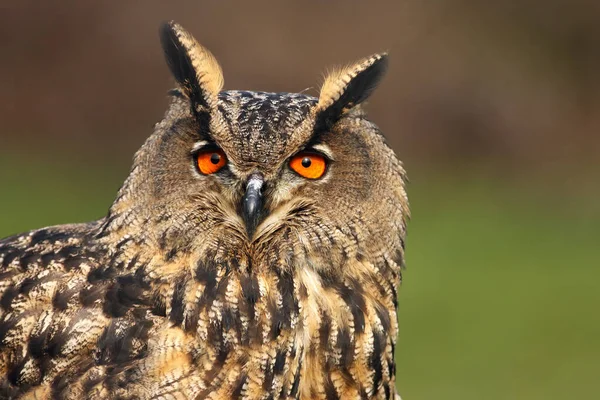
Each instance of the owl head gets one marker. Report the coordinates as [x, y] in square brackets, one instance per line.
[280, 175]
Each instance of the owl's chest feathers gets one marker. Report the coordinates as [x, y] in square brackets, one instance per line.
[296, 330]
[230, 321]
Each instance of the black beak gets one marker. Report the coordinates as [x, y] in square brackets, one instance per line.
[252, 205]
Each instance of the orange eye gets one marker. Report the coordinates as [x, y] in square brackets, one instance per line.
[308, 165]
[211, 160]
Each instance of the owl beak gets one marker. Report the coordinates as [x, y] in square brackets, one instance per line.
[252, 205]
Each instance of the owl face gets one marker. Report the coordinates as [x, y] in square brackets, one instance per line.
[264, 167]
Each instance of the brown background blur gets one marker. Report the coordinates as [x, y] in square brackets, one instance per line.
[513, 85]
[494, 106]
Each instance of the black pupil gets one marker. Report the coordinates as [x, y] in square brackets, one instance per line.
[306, 162]
[215, 158]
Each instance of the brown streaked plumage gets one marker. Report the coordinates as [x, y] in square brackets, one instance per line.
[252, 282]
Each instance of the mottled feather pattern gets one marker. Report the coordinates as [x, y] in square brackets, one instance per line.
[169, 296]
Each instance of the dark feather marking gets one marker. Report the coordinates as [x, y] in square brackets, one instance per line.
[280, 358]
[7, 275]
[69, 251]
[61, 298]
[170, 255]
[293, 351]
[47, 259]
[384, 317]
[286, 289]
[117, 344]
[239, 385]
[101, 274]
[7, 390]
[231, 320]
[386, 390]
[89, 384]
[14, 372]
[394, 295]
[37, 343]
[9, 257]
[158, 305]
[126, 292]
[8, 324]
[132, 263]
[8, 296]
[178, 300]
[330, 392]
[53, 234]
[28, 258]
[324, 333]
[354, 299]
[92, 293]
[296, 384]
[363, 394]
[247, 305]
[250, 291]
[104, 228]
[391, 364]
[119, 246]
[268, 379]
[74, 262]
[206, 273]
[398, 257]
[29, 283]
[38, 237]
[328, 279]
[375, 360]
[346, 346]
[190, 323]
[277, 318]
[281, 317]
[215, 335]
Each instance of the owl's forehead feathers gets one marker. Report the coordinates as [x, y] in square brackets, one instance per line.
[258, 128]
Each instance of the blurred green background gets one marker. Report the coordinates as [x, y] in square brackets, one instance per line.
[495, 109]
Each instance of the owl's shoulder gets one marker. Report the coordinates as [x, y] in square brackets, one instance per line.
[56, 244]
[35, 260]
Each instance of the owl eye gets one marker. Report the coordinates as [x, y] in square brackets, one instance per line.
[309, 165]
[211, 160]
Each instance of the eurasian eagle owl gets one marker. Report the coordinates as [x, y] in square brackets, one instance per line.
[253, 252]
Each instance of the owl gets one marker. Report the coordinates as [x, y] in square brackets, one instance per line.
[254, 252]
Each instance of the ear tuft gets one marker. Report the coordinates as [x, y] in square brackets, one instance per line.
[194, 67]
[346, 88]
